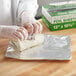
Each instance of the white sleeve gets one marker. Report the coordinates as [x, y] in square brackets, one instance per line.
[6, 31]
[28, 6]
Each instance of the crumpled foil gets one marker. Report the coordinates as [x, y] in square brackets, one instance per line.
[54, 47]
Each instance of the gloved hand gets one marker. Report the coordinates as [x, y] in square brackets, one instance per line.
[31, 24]
[13, 32]
[33, 27]
[20, 33]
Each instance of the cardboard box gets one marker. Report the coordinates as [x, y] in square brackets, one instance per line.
[59, 16]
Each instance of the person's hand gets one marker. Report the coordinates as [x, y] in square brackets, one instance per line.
[33, 27]
[30, 23]
[14, 33]
[20, 34]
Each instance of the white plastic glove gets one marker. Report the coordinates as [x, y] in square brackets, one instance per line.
[13, 32]
[30, 23]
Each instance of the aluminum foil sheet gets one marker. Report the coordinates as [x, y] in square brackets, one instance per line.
[54, 47]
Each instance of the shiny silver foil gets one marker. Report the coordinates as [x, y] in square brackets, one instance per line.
[53, 48]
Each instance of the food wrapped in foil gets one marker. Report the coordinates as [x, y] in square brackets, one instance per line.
[54, 47]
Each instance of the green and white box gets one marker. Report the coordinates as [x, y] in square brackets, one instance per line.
[59, 16]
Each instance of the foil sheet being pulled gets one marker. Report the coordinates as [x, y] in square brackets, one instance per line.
[54, 47]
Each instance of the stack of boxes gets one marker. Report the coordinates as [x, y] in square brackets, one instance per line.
[59, 16]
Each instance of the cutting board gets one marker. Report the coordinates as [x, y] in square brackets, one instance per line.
[14, 67]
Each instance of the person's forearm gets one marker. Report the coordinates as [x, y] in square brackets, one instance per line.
[7, 30]
[28, 5]
[27, 9]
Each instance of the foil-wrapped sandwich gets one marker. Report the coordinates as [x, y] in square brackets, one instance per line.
[21, 45]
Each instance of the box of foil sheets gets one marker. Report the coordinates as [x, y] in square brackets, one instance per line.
[59, 16]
